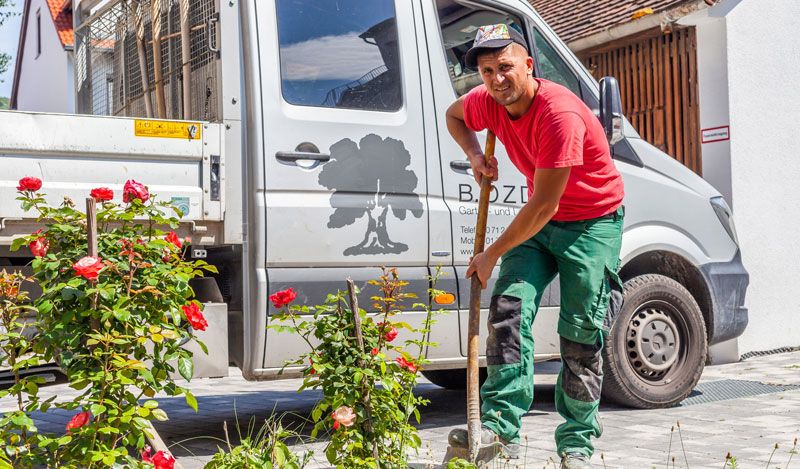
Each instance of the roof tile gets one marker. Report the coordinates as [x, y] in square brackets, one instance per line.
[61, 12]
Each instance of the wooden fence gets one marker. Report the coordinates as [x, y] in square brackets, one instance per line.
[657, 74]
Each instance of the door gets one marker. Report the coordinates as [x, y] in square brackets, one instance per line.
[344, 148]
[450, 36]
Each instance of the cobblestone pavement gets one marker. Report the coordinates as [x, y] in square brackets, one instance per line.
[743, 408]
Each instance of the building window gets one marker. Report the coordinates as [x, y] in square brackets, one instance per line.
[38, 33]
[341, 54]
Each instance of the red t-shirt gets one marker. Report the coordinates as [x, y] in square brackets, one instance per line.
[558, 130]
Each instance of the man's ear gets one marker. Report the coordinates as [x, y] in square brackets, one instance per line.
[529, 63]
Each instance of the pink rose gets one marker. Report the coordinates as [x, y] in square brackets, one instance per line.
[88, 267]
[134, 190]
[344, 415]
[195, 316]
[39, 246]
[29, 183]
[101, 194]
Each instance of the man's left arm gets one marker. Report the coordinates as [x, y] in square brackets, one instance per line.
[549, 185]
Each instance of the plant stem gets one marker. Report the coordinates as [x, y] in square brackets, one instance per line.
[774, 448]
[680, 435]
[669, 448]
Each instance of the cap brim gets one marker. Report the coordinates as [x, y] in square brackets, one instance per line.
[471, 57]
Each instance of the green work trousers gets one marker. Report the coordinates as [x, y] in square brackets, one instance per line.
[585, 255]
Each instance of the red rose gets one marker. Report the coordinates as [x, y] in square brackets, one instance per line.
[78, 420]
[194, 316]
[29, 183]
[374, 351]
[173, 238]
[335, 425]
[283, 298]
[39, 246]
[134, 190]
[88, 267]
[101, 194]
[160, 460]
[408, 365]
[390, 334]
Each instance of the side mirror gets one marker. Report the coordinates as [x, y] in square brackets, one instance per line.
[611, 109]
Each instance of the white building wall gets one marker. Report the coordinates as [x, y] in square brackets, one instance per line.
[763, 68]
[45, 82]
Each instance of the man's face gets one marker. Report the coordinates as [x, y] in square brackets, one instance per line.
[505, 73]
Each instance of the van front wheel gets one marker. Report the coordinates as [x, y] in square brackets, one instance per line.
[656, 349]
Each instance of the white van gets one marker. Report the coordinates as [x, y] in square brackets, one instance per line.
[332, 158]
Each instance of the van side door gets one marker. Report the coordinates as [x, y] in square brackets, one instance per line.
[344, 152]
[451, 28]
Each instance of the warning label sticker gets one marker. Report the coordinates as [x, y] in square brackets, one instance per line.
[166, 129]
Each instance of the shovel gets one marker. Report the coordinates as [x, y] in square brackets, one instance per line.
[473, 330]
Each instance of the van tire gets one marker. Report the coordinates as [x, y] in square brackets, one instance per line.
[453, 379]
[656, 349]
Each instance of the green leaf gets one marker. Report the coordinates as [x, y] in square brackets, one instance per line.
[151, 404]
[122, 315]
[143, 412]
[45, 306]
[186, 368]
[97, 409]
[18, 243]
[191, 400]
[159, 414]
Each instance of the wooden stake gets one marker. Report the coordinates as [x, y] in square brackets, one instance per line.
[473, 329]
[186, 58]
[138, 21]
[155, 18]
[351, 289]
[91, 225]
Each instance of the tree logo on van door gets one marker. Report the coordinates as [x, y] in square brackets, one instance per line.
[371, 179]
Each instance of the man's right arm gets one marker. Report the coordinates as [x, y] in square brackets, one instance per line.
[468, 142]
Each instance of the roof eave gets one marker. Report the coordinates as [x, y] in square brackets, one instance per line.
[630, 28]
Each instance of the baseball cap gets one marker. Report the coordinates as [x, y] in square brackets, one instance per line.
[492, 36]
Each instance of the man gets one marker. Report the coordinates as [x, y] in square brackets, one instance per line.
[571, 226]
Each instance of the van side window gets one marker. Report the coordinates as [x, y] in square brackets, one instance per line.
[341, 54]
[553, 67]
[459, 24]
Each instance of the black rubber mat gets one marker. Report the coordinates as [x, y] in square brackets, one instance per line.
[725, 389]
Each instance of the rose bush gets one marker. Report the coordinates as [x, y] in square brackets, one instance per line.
[367, 398]
[114, 322]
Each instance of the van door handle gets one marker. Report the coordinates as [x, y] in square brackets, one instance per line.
[461, 166]
[293, 156]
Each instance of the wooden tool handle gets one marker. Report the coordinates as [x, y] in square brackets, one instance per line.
[473, 330]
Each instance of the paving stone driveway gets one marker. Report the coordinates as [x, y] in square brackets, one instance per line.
[714, 421]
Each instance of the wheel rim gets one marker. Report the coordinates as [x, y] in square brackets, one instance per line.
[654, 343]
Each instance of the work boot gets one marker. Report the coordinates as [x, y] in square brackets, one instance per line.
[491, 444]
[575, 461]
